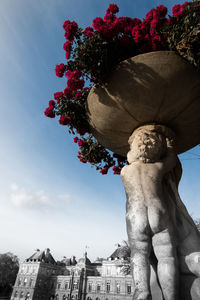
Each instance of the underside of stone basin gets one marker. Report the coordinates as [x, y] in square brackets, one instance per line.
[152, 88]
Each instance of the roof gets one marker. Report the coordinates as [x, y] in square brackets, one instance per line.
[42, 256]
[122, 252]
[84, 260]
[69, 261]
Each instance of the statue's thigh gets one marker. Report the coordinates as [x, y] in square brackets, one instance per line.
[164, 244]
[137, 220]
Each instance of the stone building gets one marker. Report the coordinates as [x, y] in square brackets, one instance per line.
[41, 278]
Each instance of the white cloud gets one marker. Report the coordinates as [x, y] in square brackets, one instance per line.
[22, 198]
[65, 198]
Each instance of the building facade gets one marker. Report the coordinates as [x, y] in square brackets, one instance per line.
[40, 277]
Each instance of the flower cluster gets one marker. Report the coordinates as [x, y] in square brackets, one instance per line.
[92, 52]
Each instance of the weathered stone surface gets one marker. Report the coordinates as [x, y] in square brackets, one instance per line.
[190, 288]
[160, 231]
[157, 87]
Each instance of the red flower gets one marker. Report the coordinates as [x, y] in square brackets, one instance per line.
[157, 42]
[120, 24]
[49, 112]
[97, 23]
[88, 31]
[58, 96]
[66, 23]
[60, 70]
[137, 34]
[109, 18]
[52, 104]
[64, 120]
[104, 171]
[75, 74]
[113, 8]
[68, 48]
[155, 23]
[68, 93]
[81, 131]
[75, 139]
[116, 170]
[82, 143]
[162, 10]
[75, 84]
[149, 15]
[78, 95]
[177, 10]
[70, 29]
[108, 32]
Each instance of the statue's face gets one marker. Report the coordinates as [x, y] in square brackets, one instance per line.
[146, 146]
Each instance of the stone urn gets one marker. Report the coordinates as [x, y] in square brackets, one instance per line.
[149, 110]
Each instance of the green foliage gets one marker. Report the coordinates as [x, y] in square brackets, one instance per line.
[183, 36]
[9, 266]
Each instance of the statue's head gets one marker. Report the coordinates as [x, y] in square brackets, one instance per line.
[148, 144]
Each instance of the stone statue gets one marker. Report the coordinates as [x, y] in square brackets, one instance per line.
[157, 220]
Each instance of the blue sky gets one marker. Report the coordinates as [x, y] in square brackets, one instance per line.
[48, 198]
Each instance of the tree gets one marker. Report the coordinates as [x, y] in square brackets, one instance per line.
[9, 266]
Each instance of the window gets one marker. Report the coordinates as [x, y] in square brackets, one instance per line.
[89, 298]
[22, 295]
[97, 298]
[89, 287]
[58, 286]
[16, 294]
[27, 296]
[57, 297]
[19, 281]
[98, 287]
[66, 285]
[25, 281]
[108, 287]
[31, 282]
[75, 285]
[64, 297]
[128, 288]
[118, 288]
[108, 270]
